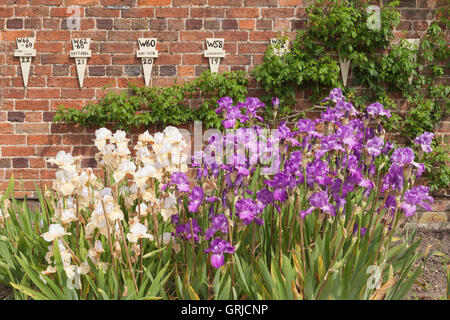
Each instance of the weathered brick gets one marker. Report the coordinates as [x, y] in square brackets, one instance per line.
[14, 23]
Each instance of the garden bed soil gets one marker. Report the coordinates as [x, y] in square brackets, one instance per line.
[433, 278]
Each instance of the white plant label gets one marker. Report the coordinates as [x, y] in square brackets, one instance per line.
[80, 52]
[415, 44]
[280, 46]
[345, 67]
[147, 52]
[214, 51]
[25, 52]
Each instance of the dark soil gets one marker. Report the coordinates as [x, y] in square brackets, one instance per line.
[433, 278]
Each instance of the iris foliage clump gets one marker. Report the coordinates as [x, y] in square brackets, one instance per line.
[309, 212]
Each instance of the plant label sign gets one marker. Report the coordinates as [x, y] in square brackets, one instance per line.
[345, 67]
[25, 52]
[280, 46]
[80, 52]
[214, 51]
[147, 52]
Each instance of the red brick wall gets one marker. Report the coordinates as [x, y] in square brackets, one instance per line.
[27, 134]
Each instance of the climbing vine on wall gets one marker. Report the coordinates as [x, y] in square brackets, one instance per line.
[382, 67]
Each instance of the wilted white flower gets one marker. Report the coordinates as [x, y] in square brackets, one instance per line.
[138, 231]
[54, 231]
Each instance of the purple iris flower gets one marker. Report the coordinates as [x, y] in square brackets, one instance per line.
[218, 223]
[275, 103]
[424, 140]
[374, 146]
[394, 179]
[377, 109]
[265, 196]
[416, 196]
[218, 247]
[181, 181]
[403, 156]
[320, 200]
[195, 198]
[306, 125]
[184, 230]
[248, 210]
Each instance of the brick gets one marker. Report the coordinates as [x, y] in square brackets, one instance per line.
[5, 163]
[31, 128]
[277, 13]
[33, 93]
[33, 116]
[252, 48]
[44, 139]
[263, 25]
[14, 116]
[133, 71]
[10, 93]
[207, 13]
[122, 36]
[226, 3]
[232, 36]
[117, 47]
[166, 71]
[261, 3]
[117, 3]
[50, 151]
[139, 24]
[84, 150]
[195, 35]
[6, 12]
[30, 12]
[262, 35]
[211, 24]
[158, 24]
[99, 59]
[247, 24]
[17, 151]
[189, 47]
[171, 12]
[242, 13]
[176, 24]
[97, 70]
[32, 105]
[36, 162]
[124, 59]
[81, 2]
[6, 128]
[97, 12]
[81, 93]
[229, 24]
[79, 139]
[14, 24]
[154, 3]
[62, 82]
[54, 47]
[194, 24]
[292, 3]
[14, 34]
[22, 174]
[113, 71]
[53, 35]
[185, 71]
[20, 162]
[106, 24]
[139, 13]
[7, 139]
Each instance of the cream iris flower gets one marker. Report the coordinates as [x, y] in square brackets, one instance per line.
[138, 231]
[54, 231]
